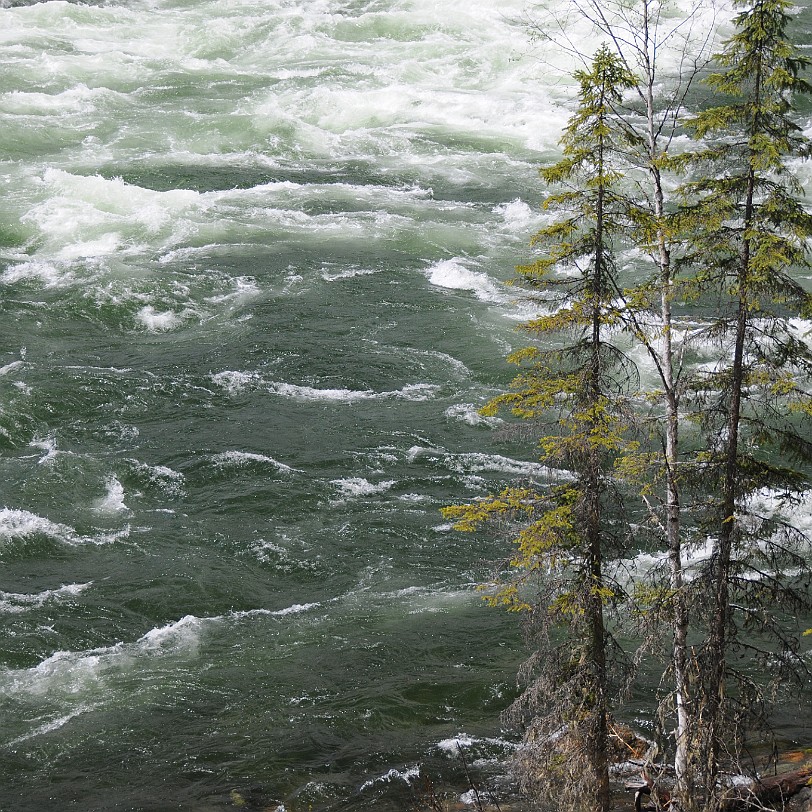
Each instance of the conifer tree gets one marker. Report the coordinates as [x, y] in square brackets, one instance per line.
[576, 392]
[645, 35]
[746, 232]
[641, 33]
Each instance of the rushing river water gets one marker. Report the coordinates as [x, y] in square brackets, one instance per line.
[252, 274]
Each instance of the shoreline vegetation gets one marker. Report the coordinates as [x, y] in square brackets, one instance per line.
[652, 247]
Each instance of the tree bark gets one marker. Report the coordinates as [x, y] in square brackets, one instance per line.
[773, 790]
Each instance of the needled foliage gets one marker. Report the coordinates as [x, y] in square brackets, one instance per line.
[734, 572]
[573, 385]
[745, 233]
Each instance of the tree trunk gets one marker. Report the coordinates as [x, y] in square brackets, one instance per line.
[718, 639]
[682, 733]
[599, 746]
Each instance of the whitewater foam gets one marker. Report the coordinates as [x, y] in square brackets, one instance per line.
[245, 289]
[47, 273]
[453, 274]
[77, 99]
[90, 217]
[469, 413]
[113, 500]
[358, 486]
[158, 322]
[170, 482]
[761, 505]
[74, 673]
[463, 741]
[49, 446]
[518, 216]
[181, 634]
[473, 463]
[415, 392]
[408, 775]
[347, 273]
[239, 459]
[12, 367]
[466, 463]
[794, 509]
[295, 609]
[21, 524]
[236, 382]
[17, 602]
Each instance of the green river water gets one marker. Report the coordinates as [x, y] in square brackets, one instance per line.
[252, 265]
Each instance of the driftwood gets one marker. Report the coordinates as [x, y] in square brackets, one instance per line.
[770, 792]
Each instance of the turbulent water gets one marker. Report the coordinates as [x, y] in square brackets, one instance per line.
[252, 264]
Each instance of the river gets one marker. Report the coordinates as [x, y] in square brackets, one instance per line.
[253, 257]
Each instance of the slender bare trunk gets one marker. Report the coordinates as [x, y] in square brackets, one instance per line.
[682, 733]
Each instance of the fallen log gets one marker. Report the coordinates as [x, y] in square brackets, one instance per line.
[771, 791]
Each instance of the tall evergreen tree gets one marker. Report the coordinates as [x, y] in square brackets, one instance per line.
[747, 231]
[642, 33]
[576, 391]
[646, 35]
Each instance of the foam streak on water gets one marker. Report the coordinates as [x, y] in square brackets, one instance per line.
[252, 267]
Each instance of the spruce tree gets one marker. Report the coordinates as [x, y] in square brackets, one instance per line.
[666, 50]
[746, 233]
[575, 393]
[642, 33]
